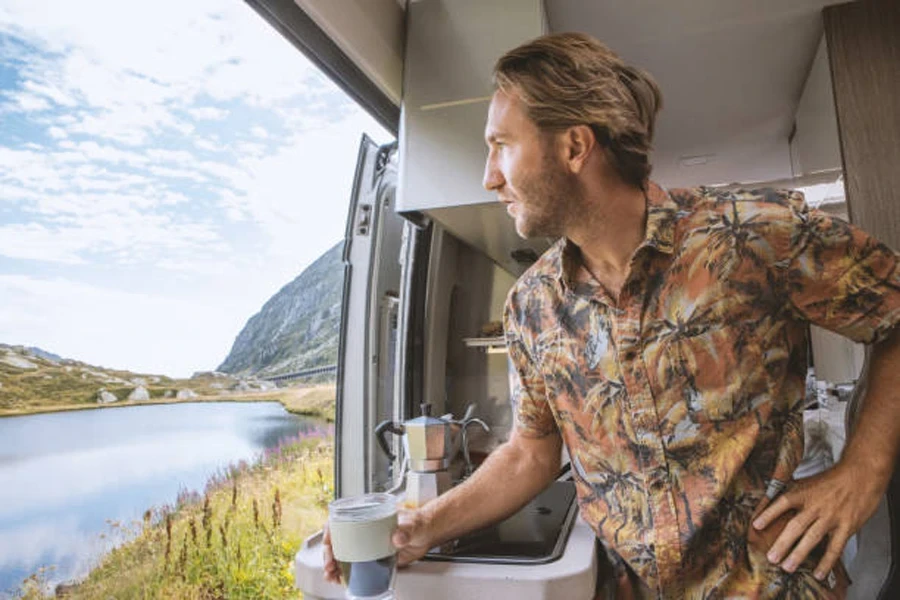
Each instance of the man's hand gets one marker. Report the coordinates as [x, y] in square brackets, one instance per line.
[412, 538]
[331, 568]
[834, 504]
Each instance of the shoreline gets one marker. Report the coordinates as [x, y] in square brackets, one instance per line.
[292, 405]
[297, 480]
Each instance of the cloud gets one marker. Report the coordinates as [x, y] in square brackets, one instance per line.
[187, 145]
[300, 195]
[30, 103]
[208, 113]
[57, 133]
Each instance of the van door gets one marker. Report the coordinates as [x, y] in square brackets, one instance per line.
[367, 350]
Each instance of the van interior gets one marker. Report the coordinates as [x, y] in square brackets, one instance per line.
[748, 101]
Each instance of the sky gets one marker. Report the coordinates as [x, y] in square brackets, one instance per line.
[165, 168]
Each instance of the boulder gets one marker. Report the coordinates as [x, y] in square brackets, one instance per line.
[139, 394]
[20, 362]
[185, 394]
[104, 397]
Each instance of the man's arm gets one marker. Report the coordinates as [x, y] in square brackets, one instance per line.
[839, 501]
[512, 475]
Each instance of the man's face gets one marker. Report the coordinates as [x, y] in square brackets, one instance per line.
[526, 170]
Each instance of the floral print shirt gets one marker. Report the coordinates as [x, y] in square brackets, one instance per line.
[679, 400]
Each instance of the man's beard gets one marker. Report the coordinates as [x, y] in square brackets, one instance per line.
[550, 201]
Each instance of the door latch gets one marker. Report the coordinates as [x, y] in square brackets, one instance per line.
[363, 219]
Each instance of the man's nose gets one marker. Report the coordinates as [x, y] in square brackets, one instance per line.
[493, 179]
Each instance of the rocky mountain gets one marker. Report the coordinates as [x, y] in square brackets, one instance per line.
[44, 354]
[297, 328]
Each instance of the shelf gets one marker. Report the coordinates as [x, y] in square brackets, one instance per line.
[490, 344]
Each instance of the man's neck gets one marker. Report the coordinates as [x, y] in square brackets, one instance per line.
[609, 232]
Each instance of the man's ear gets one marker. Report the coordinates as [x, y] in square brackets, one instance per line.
[579, 142]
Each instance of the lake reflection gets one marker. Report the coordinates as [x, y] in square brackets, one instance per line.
[63, 475]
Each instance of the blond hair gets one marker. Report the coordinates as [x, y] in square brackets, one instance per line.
[569, 79]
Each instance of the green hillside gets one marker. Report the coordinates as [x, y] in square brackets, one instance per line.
[30, 381]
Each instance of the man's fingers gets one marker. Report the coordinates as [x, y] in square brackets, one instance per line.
[331, 570]
[810, 539]
[781, 505]
[332, 574]
[761, 506]
[832, 554]
[795, 528]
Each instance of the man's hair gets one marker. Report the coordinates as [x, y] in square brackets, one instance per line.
[569, 79]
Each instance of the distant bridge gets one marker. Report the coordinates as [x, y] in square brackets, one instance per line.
[303, 373]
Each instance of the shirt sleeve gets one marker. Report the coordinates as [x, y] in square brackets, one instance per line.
[839, 277]
[532, 414]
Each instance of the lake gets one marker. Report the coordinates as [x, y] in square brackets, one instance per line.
[63, 476]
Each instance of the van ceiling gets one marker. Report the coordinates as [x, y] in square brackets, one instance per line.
[731, 73]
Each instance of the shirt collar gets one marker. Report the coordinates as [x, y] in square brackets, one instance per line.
[659, 234]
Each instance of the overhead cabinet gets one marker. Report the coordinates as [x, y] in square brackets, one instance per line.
[451, 48]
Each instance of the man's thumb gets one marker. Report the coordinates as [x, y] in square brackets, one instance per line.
[400, 538]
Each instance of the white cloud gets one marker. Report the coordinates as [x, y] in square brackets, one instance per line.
[57, 133]
[130, 181]
[50, 90]
[208, 113]
[35, 242]
[148, 60]
[205, 144]
[251, 149]
[31, 103]
[300, 199]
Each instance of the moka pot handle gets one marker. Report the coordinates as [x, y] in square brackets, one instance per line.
[384, 428]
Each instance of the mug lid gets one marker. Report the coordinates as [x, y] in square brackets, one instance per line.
[363, 508]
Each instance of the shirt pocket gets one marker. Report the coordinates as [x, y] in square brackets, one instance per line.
[720, 372]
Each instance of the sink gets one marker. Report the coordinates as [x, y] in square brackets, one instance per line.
[535, 535]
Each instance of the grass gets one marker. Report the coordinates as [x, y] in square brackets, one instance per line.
[314, 401]
[237, 540]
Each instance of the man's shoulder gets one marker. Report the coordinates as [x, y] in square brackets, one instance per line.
[700, 206]
[703, 199]
[539, 281]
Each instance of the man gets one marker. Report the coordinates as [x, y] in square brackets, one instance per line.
[663, 340]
